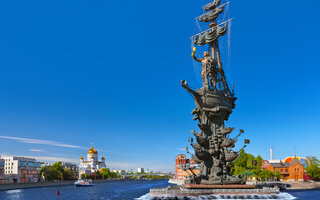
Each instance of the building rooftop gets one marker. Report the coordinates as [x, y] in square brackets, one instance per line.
[18, 158]
[280, 165]
[284, 164]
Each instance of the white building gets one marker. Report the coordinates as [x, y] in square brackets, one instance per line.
[45, 164]
[92, 164]
[140, 170]
[20, 169]
[119, 171]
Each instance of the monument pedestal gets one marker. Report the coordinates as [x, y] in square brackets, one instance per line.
[202, 186]
[221, 191]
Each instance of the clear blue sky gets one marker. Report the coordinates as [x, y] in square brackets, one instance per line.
[108, 72]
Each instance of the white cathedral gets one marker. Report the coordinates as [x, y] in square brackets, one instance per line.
[92, 164]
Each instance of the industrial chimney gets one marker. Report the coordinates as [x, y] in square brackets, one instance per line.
[271, 153]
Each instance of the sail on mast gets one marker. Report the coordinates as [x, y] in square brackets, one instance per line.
[212, 15]
[212, 5]
[211, 37]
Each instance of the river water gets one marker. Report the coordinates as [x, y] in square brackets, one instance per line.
[115, 191]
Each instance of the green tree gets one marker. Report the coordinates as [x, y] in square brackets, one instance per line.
[277, 175]
[52, 174]
[313, 170]
[114, 175]
[105, 173]
[265, 175]
[59, 167]
[244, 163]
[96, 175]
[55, 171]
[68, 174]
[43, 169]
[85, 176]
[156, 177]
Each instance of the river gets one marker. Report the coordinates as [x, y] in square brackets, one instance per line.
[111, 191]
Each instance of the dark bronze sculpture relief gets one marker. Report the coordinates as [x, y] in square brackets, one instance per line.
[214, 104]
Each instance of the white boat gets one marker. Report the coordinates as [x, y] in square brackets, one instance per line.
[83, 183]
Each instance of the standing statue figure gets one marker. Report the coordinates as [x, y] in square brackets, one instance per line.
[208, 69]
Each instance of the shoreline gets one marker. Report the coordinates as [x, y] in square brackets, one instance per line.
[18, 186]
[304, 186]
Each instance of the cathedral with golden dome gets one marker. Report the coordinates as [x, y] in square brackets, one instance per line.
[92, 164]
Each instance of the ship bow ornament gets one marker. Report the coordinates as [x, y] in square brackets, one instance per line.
[213, 147]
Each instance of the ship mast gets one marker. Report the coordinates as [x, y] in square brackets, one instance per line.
[210, 37]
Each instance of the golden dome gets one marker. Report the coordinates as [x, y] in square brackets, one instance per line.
[92, 150]
[81, 158]
[103, 157]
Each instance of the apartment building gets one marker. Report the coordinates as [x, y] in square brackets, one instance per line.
[20, 169]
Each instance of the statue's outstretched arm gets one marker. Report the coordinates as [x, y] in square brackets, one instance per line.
[194, 56]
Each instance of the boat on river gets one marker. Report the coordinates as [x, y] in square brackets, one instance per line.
[83, 183]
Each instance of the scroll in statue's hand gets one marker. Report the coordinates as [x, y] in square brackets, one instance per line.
[194, 50]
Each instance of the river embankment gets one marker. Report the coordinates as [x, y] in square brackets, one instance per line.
[15, 186]
[309, 185]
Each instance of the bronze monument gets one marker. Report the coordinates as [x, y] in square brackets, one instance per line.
[214, 103]
[213, 146]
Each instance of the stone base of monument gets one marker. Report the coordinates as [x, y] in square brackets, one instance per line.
[205, 186]
[220, 191]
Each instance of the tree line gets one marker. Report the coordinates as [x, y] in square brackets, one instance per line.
[58, 171]
[104, 173]
[247, 161]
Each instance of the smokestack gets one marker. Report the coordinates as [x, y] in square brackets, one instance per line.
[271, 153]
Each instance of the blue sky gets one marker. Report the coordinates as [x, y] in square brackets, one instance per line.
[108, 72]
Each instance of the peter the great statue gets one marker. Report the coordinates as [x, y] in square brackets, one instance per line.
[214, 103]
[213, 145]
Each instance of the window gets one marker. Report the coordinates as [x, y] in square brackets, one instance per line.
[281, 170]
[286, 170]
